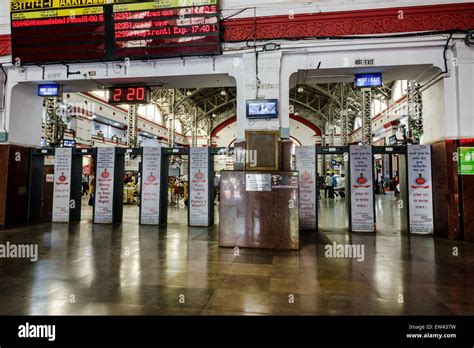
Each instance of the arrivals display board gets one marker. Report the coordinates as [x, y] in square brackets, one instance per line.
[362, 189]
[199, 186]
[166, 29]
[58, 31]
[150, 190]
[104, 185]
[62, 184]
[305, 161]
[420, 189]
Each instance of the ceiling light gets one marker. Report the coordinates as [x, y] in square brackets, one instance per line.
[116, 124]
[214, 115]
[189, 92]
[300, 89]
[223, 92]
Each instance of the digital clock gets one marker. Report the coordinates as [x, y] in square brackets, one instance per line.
[129, 95]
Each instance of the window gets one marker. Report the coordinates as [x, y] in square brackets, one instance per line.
[399, 89]
[378, 106]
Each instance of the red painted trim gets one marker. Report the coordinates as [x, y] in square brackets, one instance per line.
[391, 124]
[307, 123]
[222, 125]
[296, 140]
[5, 45]
[359, 22]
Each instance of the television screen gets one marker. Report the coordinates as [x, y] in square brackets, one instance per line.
[262, 108]
[393, 140]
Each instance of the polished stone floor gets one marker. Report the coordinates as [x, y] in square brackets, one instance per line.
[130, 270]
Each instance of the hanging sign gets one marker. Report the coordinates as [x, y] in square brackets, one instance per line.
[150, 190]
[62, 184]
[305, 160]
[362, 189]
[198, 186]
[420, 189]
[104, 185]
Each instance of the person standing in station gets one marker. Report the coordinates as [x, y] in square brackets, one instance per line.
[216, 187]
[85, 184]
[328, 186]
[332, 192]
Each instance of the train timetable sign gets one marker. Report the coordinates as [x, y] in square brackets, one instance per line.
[58, 31]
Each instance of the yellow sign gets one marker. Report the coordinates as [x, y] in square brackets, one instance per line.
[58, 13]
[159, 4]
[28, 5]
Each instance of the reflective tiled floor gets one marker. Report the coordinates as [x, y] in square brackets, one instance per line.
[129, 269]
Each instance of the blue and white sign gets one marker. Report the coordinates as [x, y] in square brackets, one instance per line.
[368, 80]
[48, 90]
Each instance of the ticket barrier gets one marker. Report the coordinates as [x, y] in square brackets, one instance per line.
[55, 191]
[415, 200]
[108, 184]
[389, 152]
[201, 183]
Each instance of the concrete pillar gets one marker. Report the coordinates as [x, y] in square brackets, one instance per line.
[263, 83]
[448, 124]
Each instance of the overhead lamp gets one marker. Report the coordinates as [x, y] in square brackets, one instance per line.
[300, 89]
[116, 124]
[214, 115]
[188, 93]
[223, 93]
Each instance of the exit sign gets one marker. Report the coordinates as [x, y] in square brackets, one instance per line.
[466, 160]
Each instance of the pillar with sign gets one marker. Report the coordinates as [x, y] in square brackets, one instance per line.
[362, 209]
[201, 187]
[108, 185]
[154, 183]
[366, 82]
[420, 189]
[305, 163]
[67, 189]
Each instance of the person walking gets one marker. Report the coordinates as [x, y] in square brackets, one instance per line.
[332, 191]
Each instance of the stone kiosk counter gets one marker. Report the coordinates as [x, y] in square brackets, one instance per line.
[259, 210]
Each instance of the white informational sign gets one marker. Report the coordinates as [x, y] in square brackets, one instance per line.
[198, 186]
[104, 185]
[305, 160]
[150, 190]
[362, 189]
[258, 182]
[62, 184]
[420, 189]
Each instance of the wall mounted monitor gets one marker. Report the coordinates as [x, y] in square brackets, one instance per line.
[262, 108]
[393, 140]
[368, 80]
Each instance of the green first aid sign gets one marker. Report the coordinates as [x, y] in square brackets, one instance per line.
[466, 160]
